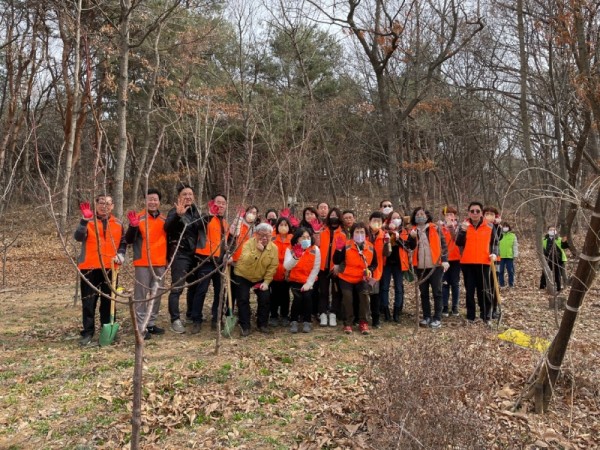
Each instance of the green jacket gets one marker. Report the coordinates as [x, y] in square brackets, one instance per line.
[255, 265]
[557, 250]
[509, 247]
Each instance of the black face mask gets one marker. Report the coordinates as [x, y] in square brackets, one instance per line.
[272, 222]
[334, 221]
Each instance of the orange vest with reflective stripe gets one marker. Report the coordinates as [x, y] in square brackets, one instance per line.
[156, 236]
[105, 244]
[305, 265]
[378, 244]
[354, 264]
[453, 250]
[328, 248]
[477, 245]
[282, 245]
[435, 245]
[240, 240]
[214, 238]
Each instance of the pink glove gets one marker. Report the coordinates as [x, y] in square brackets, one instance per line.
[297, 250]
[340, 243]
[134, 220]
[213, 208]
[386, 238]
[285, 213]
[86, 211]
[316, 225]
[257, 286]
[294, 222]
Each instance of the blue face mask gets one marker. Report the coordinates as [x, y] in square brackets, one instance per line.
[359, 238]
[305, 243]
[420, 220]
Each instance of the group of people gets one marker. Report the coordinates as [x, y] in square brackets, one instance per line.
[324, 264]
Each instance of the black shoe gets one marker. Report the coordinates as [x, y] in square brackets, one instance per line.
[196, 328]
[376, 325]
[147, 335]
[386, 315]
[396, 315]
[155, 330]
[265, 330]
[85, 340]
[245, 332]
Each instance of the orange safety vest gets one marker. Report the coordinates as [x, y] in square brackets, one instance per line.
[103, 244]
[214, 238]
[453, 249]
[282, 245]
[403, 252]
[477, 245]
[378, 244]
[327, 246]
[240, 240]
[355, 264]
[157, 236]
[435, 245]
[304, 266]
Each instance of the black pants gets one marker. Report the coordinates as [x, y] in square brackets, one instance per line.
[90, 296]
[280, 299]
[181, 273]
[203, 273]
[375, 301]
[302, 304]
[557, 268]
[243, 299]
[433, 281]
[477, 279]
[329, 285]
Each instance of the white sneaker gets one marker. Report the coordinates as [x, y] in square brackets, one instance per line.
[332, 320]
[323, 318]
[178, 327]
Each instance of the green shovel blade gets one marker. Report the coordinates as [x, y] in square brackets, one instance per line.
[108, 333]
[230, 322]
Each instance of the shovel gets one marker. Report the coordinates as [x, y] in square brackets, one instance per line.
[109, 330]
[496, 290]
[230, 319]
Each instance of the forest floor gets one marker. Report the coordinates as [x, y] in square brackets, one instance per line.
[317, 390]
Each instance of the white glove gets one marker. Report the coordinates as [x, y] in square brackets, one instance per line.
[493, 257]
[306, 287]
[264, 286]
[119, 259]
[445, 266]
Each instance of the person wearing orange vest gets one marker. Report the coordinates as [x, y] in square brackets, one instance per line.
[451, 279]
[475, 236]
[210, 251]
[395, 252]
[330, 296]
[103, 242]
[280, 287]
[430, 260]
[255, 271]
[357, 260]
[146, 233]
[492, 216]
[377, 237]
[302, 261]
[181, 227]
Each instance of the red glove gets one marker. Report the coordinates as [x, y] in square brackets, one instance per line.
[297, 250]
[316, 225]
[134, 220]
[285, 213]
[241, 212]
[257, 286]
[213, 208]
[340, 242]
[386, 238]
[86, 211]
[294, 222]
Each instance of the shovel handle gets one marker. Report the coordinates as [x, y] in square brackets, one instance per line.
[113, 283]
[228, 284]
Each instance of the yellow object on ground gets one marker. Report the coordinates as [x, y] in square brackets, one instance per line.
[525, 340]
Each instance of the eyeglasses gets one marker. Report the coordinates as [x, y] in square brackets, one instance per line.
[386, 206]
[475, 211]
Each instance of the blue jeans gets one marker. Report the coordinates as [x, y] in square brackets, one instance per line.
[451, 284]
[389, 271]
[509, 264]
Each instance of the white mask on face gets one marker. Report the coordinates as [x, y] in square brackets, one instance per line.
[397, 223]
[552, 233]
[505, 229]
[250, 217]
[387, 210]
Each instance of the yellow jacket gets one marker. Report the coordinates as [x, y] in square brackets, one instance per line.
[254, 265]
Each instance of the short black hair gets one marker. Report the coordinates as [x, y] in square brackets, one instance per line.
[476, 204]
[298, 234]
[331, 211]
[356, 226]
[182, 186]
[376, 215]
[271, 210]
[348, 211]
[218, 195]
[151, 191]
[279, 221]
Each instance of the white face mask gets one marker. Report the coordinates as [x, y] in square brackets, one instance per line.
[250, 217]
[387, 210]
[397, 223]
[551, 233]
[505, 229]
